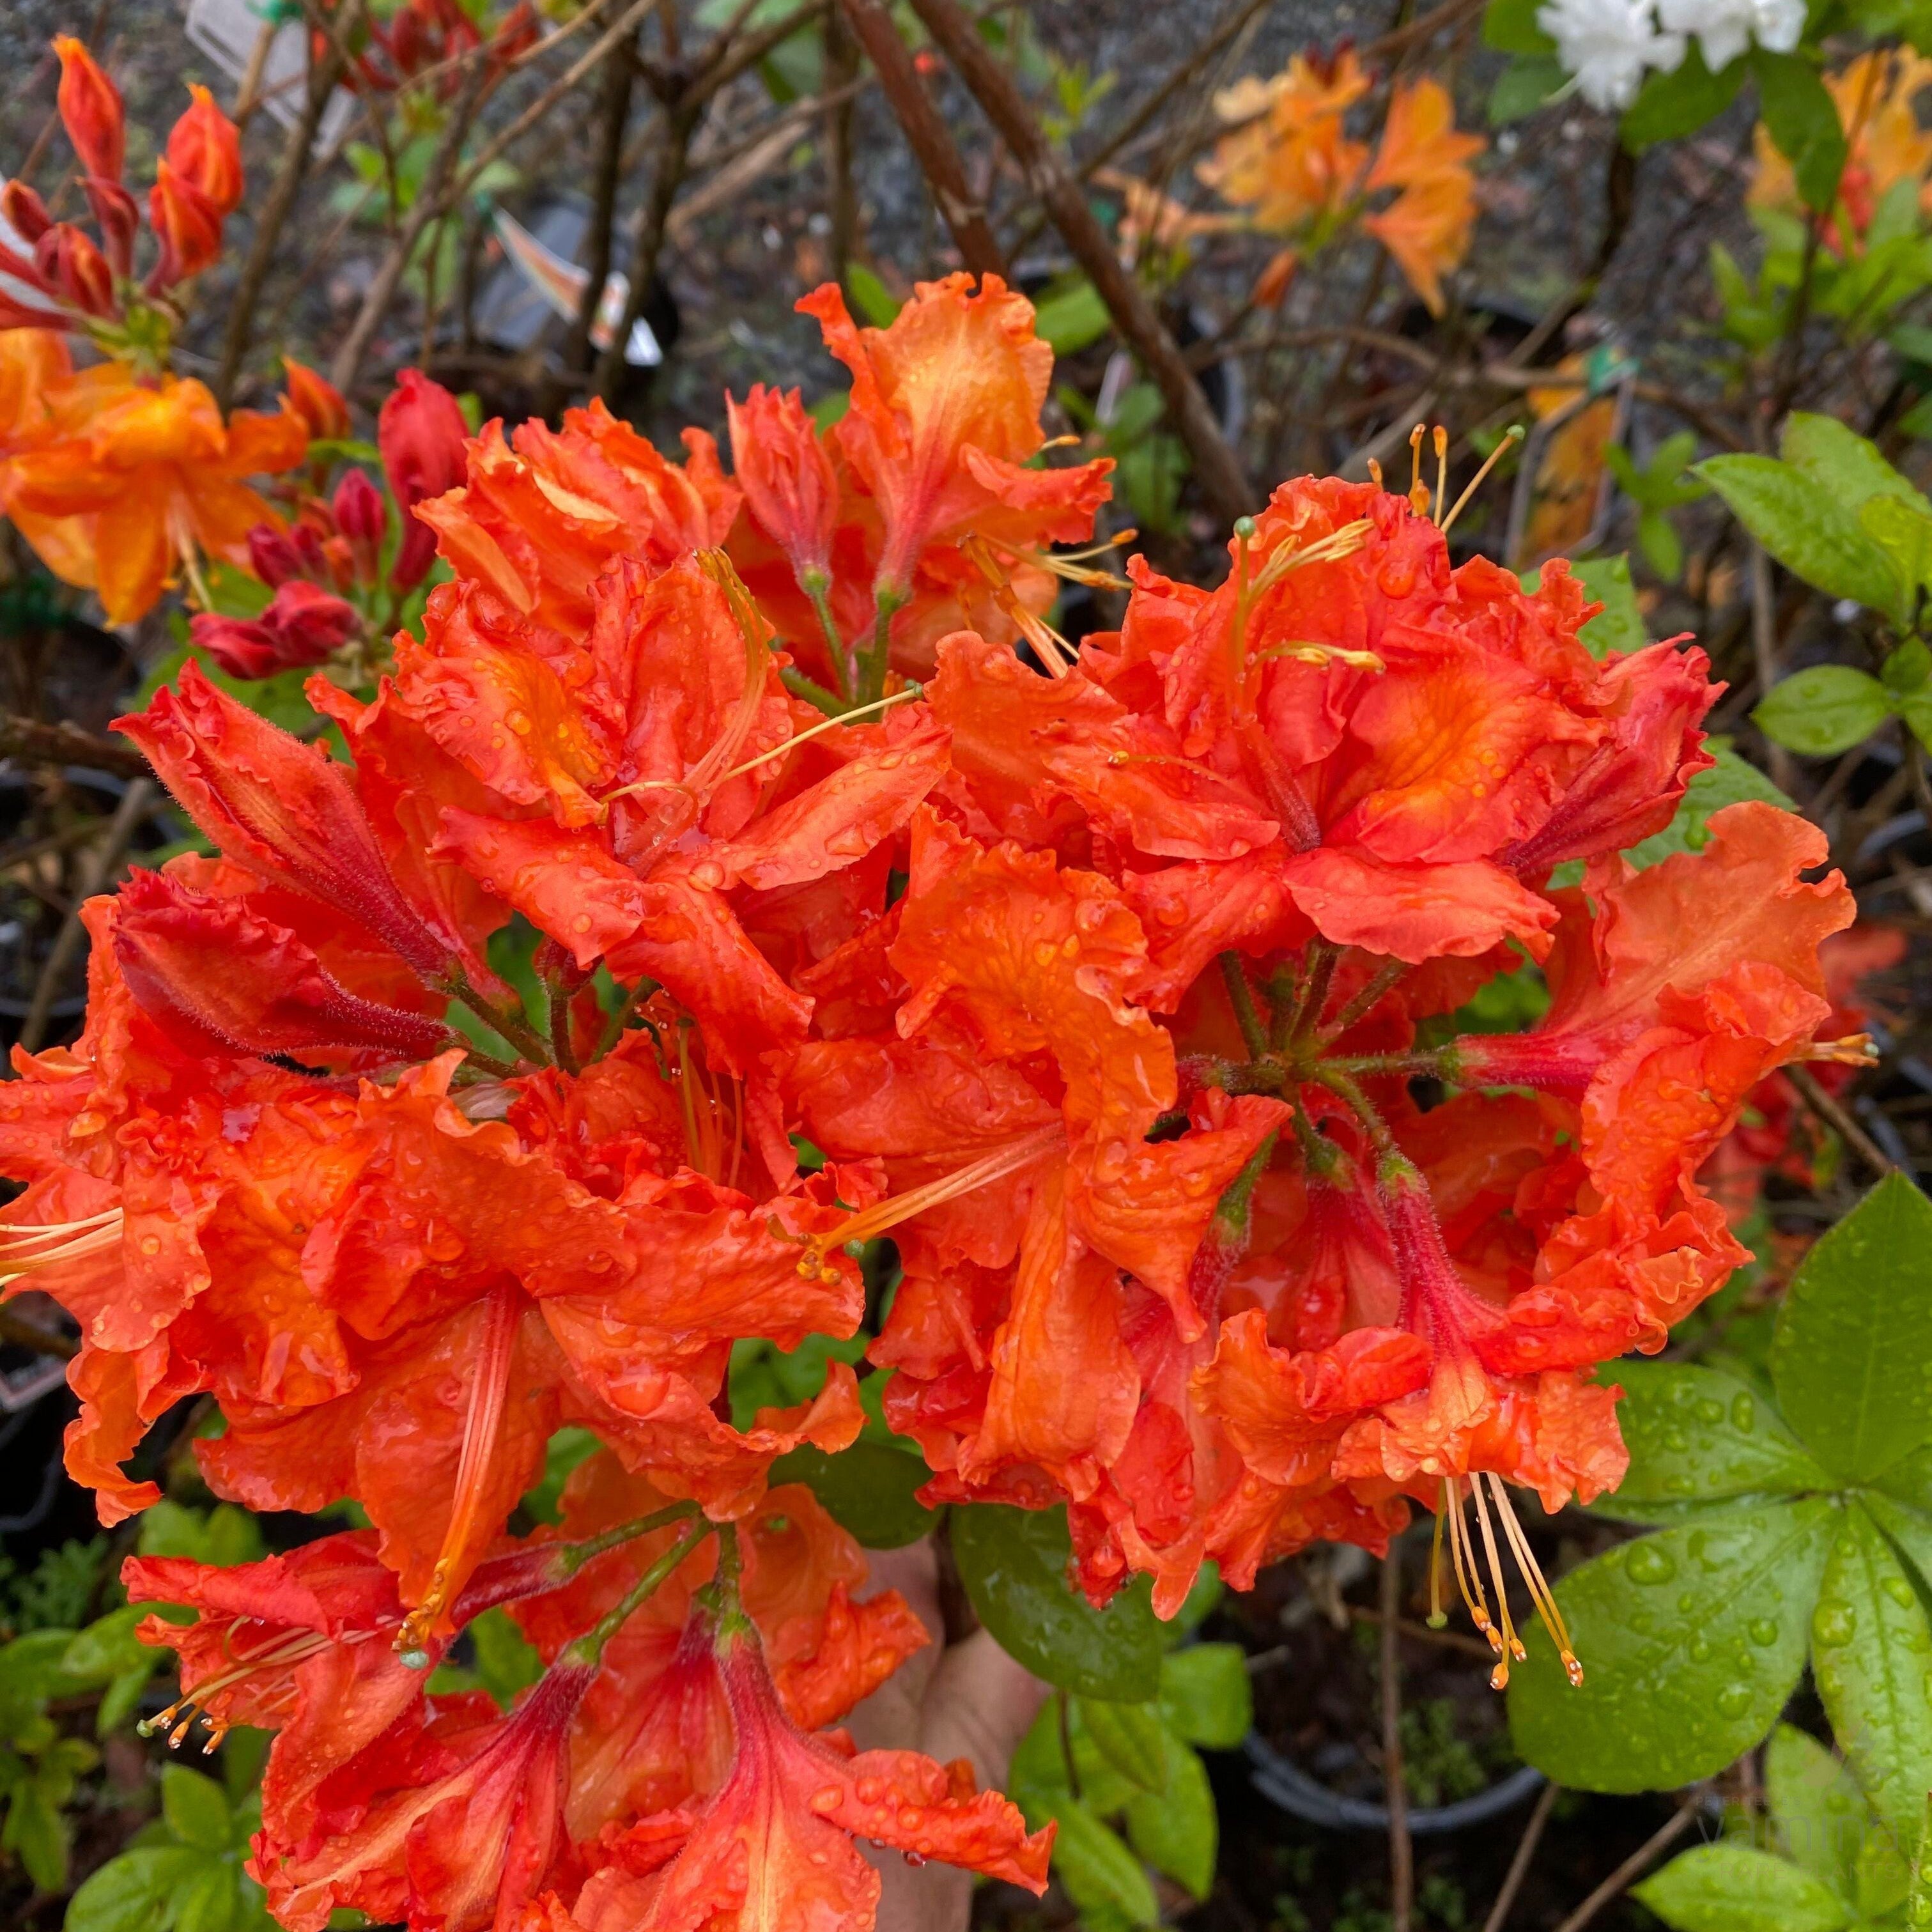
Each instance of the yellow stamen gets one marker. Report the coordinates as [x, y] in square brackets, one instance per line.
[1855, 1049]
[1438, 1616]
[1545, 1597]
[1441, 435]
[1331, 549]
[1054, 651]
[1306, 651]
[26, 1246]
[1514, 434]
[989, 1168]
[1418, 491]
[1376, 474]
[489, 1389]
[1511, 1640]
[1504, 1641]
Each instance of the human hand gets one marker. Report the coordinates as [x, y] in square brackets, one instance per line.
[968, 1700]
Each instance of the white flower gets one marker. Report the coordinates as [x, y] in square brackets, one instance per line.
[1725, 28]
[1607, 44]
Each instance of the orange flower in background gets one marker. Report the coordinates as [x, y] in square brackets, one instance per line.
[1877, 97]
[1286, 159]
[90, 110]
[1427, 227]
[160, 479]
[1289, 162]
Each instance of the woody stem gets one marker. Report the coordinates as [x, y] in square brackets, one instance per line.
[590, 1647]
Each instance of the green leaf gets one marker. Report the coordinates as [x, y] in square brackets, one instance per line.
[1802, 120]
[871, 1488]
[1663, 548]
[1681, 101]
[1070, 318]
[1014, 1563]
[1729, 782]
[1870, 1643]
[1206, 1694]
[1733, 1888]
[1698, 1437]
[1808, 528]
[1904, 534]
[1823, 710]
[108, 1646]
[224, 1535]
[1852, 1358]
[1908, 667]
[1178, 1832]
[566, 1448]
[196, 1808]
[1691, 1641]
[1038, 1777]
[1619, 626]
[211, 1900]
[1818, 1814]
[506, 1661]
[1916, 708]
[133, 1893]
[1848, 464]
[1098, 1871]
[874, 300]
[36, 1833]
[1131, 1737]
[1527, 85]
[1510, 27]
[1918, 1898]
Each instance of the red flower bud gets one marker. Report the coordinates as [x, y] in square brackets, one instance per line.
[360, 513]
[77, 268]
[204, 147]
[425, 452]
[515, 37]
[90, 110]
[188, 224]
[25, 211]
[118, 217]
[218, 975]
[303, 625]
[272, 557]
[316, 400]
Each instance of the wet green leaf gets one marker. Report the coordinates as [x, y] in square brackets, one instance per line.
[1178, 1832]
[1852, 1359]
[1691, 1641]
[1131, 1737]
[1206, 1694]
[1734, 1889]
[1014, 1564]
[1871, 1648]
[1698, 1437]
[1822, 710]
[870, 1488]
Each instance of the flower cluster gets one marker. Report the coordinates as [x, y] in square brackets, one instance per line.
[1287, 161]
[1112, 986]
[1610, 46]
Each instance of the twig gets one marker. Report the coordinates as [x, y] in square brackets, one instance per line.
[928, 135]
[427, 207]
[1659, 1840]
[1832, 1111]
[1228, 491]
[680, 123]
[614, 108]
[16, 1328]
[1764, 650]
[248, 95]
[135, 803]
[841, 72]
[34, 743]
[1525, 1850]
[323, 76]
[1402, 1848]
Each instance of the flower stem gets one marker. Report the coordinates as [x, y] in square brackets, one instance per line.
[590, 1647]
[1241, 997]
[574, 1555]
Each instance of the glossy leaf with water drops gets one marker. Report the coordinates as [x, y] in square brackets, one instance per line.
[1852, 1358]
[1698, 1437]
[1014, 1564]
[1729, 1888]
[1178, 1832]
[1871, 1654]
[1691, 1639]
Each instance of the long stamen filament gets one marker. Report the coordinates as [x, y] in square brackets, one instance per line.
[1468, 1579]
[1513, 435]
[26, 1246]
[895, 1208]
[1540, 1591]
[489, 1389]
[1513, 1643]
[1441, 437]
